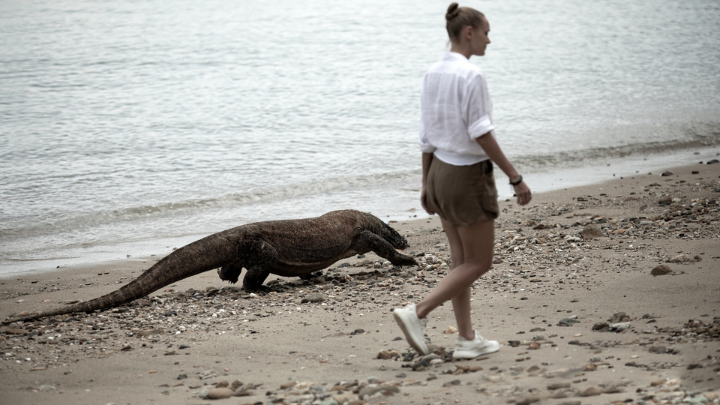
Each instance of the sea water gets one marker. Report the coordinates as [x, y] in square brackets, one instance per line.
[130, 128]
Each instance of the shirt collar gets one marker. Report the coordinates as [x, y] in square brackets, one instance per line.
[454, 56]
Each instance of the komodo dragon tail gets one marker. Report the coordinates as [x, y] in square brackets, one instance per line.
[200, 256]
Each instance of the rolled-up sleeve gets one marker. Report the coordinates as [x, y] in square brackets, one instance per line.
[478, 108]
[425, 145]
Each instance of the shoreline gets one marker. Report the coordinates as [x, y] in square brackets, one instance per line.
[547, 180]
[281, 349]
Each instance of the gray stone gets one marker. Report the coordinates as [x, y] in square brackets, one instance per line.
[661, 270]
[619, 327]
[369, 391]
[591, 392]
[219, 393]
[317, 297]
[591, 232]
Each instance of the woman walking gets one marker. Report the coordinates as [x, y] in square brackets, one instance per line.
[457, 140]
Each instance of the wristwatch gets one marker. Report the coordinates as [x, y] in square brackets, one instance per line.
[516, 180]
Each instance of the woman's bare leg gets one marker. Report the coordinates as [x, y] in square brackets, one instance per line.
[471, 247]
[461, 302]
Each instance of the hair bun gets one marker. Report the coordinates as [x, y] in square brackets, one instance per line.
[452, 11]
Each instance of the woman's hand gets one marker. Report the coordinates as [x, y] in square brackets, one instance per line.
[423, 197]
[523, 193]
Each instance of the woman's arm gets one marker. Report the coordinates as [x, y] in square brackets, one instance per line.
[492, 149]
[426, 161]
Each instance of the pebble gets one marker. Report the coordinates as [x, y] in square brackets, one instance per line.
[219, 393]
[317, 297]
[567, 322]
[661, 270]
[451, 383]
[591, 392]
[370, 391]
[591, 232]
[619, 327]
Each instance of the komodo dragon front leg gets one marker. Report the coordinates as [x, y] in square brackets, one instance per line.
[257, 256]
[366, 241]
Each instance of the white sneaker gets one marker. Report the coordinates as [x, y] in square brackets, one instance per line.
[469, 349]
[412, 327]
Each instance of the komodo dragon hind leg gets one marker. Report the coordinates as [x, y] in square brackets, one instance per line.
[259, 257]
[367, 241]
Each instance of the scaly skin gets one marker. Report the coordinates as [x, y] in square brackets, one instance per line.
[289, 248]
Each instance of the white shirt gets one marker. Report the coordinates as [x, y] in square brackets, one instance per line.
[456, 110]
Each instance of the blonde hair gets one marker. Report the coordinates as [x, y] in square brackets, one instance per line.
[458, 18]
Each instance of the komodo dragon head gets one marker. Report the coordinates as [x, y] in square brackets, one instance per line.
[385, 231]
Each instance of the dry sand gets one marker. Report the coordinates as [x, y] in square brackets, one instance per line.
[197, 334]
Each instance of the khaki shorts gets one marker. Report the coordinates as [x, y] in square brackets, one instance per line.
[462, 195]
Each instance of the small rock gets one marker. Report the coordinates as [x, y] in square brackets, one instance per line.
[450, 330]
[451, 383]
[317, 297]
[667, 173]
[666, 200]
[619, 327]
[619, 317]
[591, 232]
[591, 392]
[657, 383]
[661, 270]
[558, 386]
[287, 385]
[567, 322]
[513, 343]
[367, 392]
[460, 369]
[387, 354]
[206, 375]
[528, 401]
[219, 393]
[712, 162]
[601, 327]
[681, 258]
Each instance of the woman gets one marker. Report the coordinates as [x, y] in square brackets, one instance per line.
[458, 147]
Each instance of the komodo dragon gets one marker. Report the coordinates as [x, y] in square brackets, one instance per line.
[286, 248]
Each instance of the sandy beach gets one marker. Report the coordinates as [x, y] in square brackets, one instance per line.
[608, 293]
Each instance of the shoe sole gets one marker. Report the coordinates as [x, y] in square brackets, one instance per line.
[473, 355]
[418, 346]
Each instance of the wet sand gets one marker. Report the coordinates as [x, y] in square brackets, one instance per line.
[581, 319]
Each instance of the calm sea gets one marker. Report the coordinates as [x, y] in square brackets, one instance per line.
[132, 127]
